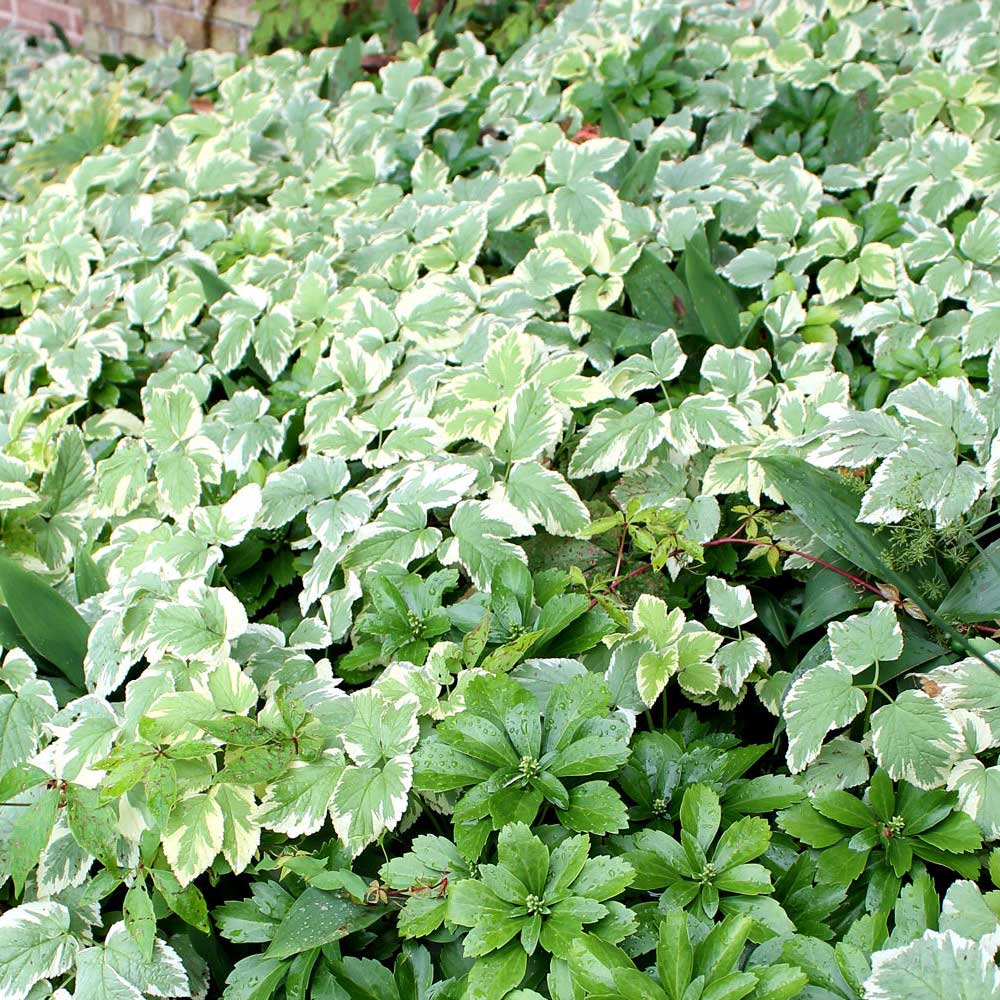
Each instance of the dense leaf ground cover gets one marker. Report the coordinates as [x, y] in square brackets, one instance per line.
[526, 529]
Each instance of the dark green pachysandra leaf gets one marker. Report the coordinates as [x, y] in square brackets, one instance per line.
[319, 917]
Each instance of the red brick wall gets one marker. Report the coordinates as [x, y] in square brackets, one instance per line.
[140, 27]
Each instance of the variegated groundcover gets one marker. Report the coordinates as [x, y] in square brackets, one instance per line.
[478, 530]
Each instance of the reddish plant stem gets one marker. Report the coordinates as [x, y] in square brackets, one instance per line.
[628, 576]
[735, 540]
[856, 580]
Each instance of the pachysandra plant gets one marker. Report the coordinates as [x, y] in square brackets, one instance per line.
[485, 521]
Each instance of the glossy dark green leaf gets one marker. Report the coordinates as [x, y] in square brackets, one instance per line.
[674, 954]
[854, 127]
[637, 184]
[829, 508]
[772, 614]
[404, 22]
[318, 917]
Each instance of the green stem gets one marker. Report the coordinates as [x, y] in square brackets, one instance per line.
[871, 699]
[875, 687]
[621, 550]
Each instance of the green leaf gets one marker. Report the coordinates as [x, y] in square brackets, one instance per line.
[255, 978]
[805, 823]
[827, 595]
[193, 836]
[916, 740]
[938, 966]
[829, 508]
[778, 982]
[213, 287]
[318, 918]
[405, 26]
[718, 953]
[594, 807]
[713, 300]
[844, 808]
[623, 334]
[28, 836]
[88, 577]
[674, 954]
[140, 918]
[821, 700]
[495, 975]
[94, 824]
[48, 621]
[633, 984]
[975, 596]
[35, 944]
[492, 919]
[701, 814]
[188, 902]
[654, 291]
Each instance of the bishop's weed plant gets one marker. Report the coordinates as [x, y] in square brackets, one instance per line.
[508, 519]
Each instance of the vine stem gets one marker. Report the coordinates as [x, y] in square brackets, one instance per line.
[736, 540]
[856, 580]
[872, 688]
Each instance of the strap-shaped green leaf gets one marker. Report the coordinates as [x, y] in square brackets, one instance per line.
[48, 621]
[714, 302]
[976, 594]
